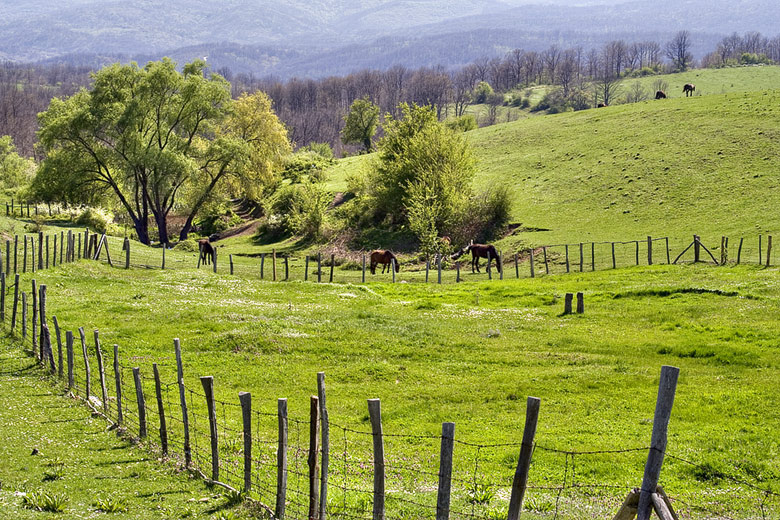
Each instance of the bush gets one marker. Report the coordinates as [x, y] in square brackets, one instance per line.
[299, 209]
[94, 219]
[487, 215]
[462, 124]
[189, 246]
[482, 92]
[307, 162]
[217, 218]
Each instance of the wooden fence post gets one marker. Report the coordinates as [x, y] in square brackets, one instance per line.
[363, 277]
[325, 445]
[760, 256]
[208, 389]
[126, 247]
[40, 249]
[739, 250]
[32, 254]
[427, 267]
[16, 252]
[546, 265]
[649, 250]
[614, 264]
[319, 267]
[392, 268]
[375, 414]
[580, 303]
[655, 458]
[500, 265]
[118, 384]
[160, 410]
[101, 371]
[281, 460]
[262, 266]
[668, 259]
[524, 462]
[16, 302]
[62, 244]
[286, 268]
[636, 243]
[88, 376]
[230, 257]
[69, 352]
[24, 316]
[246, 419]
[54, 251]
[533, 272]
[593, 256]
[696, 249]
[445, 471]
[582, 261]
[42, 319]
[24, 258]
[183, 401]
[8, 258]
[306, 270]
[769, 250]
[46, 347]
[34, 329]
[2, 297]
[214, 260]
[314, 463]
[79, 248]
[139, 398]
[332, 265]
[517, 265]
[47, 252]
[273, 264]
[567, 258]
[438, 267]
[164, 247]
[567, 303]
[489, 272]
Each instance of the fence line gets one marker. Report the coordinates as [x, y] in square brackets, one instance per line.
[447, 477]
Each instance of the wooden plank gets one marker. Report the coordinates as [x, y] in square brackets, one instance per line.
[88, 376]
[185, 419]
[325, 427]
[118, 384]
[141, 402]
[59, 347]
[281, 460]
[208, 389]
[16, 302]
[567, 303]
[101, 371]
[520, 481]
[668, 502]
[627, 511]
[580, 303]
[375, 415]
[160, 410]
[660, 508]
[69, 350]
[245, 398]
[314, 460]
[655, 458]
[445, 471]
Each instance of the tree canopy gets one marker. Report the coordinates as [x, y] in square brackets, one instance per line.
[155, 139]
[360, 123]
[15, 171]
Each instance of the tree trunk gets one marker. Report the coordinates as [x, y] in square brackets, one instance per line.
[161, 218]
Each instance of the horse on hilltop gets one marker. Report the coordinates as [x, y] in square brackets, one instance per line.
[384, 257]
[479, 251]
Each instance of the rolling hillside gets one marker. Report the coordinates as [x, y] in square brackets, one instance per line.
[705, 165]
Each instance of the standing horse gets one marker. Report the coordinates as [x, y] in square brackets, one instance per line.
[384, 257]
[689, 89]
[206, 251]
[479, 251]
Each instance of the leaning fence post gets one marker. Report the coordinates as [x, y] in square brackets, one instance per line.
[117, 382]
[325, 445]
[524, 462]
[445, 471]
[160, 410]
[314, 465]
[375, 414]
[739, 250]
[546, 265]
[182, 399]
[69, 350]
[88, 382]
[16, 302]
[281, 460]
[246, 418]
[208, 389]
[101, 371]
[655, 458]
[139, 397]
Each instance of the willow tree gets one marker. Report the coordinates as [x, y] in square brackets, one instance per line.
[154, 138]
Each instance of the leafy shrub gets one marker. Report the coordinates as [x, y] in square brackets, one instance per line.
[43, 501]
[482, 92]
[233, 497]
[190, 245]
[307, 162]
[299, 209]
[463, 123]
[322, 149]
[556, 101]
[110, 505]
[94, 219]
[217, 218]
[481, 493]
[487, 215]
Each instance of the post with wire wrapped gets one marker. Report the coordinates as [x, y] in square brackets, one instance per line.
[139, 397]
[520, 481]
[375, 414]
[160, 410]
[246, 415]
[445, 471]
[313, 460]
[208, 389]
[325, 423]
[281, 461]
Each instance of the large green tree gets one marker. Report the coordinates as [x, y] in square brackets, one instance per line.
[15, 171]
[154, 138]
[360, 123]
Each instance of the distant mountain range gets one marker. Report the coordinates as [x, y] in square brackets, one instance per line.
[322, 37]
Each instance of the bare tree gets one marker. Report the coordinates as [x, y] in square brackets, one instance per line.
[678, 50]
[636, 93]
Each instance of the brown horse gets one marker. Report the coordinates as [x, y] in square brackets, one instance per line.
[601, 105]
[384, 257]
[660, 94]
[689, 89]
[206, 251]
[479, 251]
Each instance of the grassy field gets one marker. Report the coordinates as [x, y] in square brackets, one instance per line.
[471, 354]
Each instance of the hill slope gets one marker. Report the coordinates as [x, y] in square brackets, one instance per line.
[705, 165]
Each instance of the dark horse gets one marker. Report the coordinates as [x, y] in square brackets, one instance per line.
[689, 89]
[384, 257]
[479, 251]
[206, 251]
[660, 95]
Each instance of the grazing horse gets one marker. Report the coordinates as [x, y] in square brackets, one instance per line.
[479, 251]
[689, 89]
[601, 105]
[206, 251]
[384, 257]
[660, 94]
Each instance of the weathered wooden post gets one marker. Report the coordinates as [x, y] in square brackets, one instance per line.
[230, 257]
[636, 243]
[262, 266]
[760, 255]
[427, 267]
[62, 244]
[769, 250]
[655, 458]
[101, 371]
[567, 303]
[46, 347]
[392, 268]
[375, 414]
[214, 260]
[79, 248]
[649, 250]
[24, 259]
[580, 303]
[208, 389]
[546, 265]
[117, 383]
[69, 350]
[246, 419]
[34, 329]
[438, 267]
[281, 460]
[696, 249]
[8, 258]
[739, 250]
[567, 258]
[160, 410]
[306, 270]
[47, 252]
[500, 265]
[445, 471]
[520, 481]
[32, 254]
[286, 268]
[164, 247]
[183, 401]
[668, 259]
[16, 302]
[24, 316]
[2, 297]
[54, 251]
[614, 264]
[42, 317]
[489, 272]
[325, 427]
[457, 272]
[363, 276]
[40, 249]
[517, 265]
[582, 255]
[319, 267]
[126, 248]
[88, 374]
[332, 265]
[16, 252]
[273, 264]
[314, 462]
[139, 398]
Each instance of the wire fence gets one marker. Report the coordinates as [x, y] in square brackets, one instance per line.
[292, 473]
